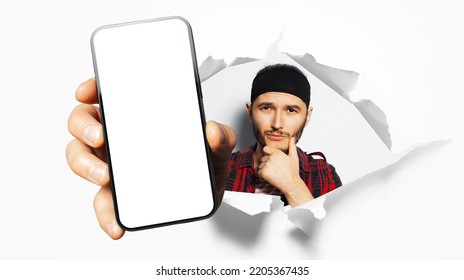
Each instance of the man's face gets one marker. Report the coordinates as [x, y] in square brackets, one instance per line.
[276, 117]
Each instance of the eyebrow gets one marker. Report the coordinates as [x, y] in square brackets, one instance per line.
[264, 104]
[295, 107]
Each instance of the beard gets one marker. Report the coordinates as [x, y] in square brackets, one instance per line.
[260, 137]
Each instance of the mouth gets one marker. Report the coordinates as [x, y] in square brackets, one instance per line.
[276, 136]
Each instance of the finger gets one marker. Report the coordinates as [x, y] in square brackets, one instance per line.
[292, 151]
[85, 164]
[261, 166]
[104, 210]
[87, 92]
[84, 124]
[268, 150]
[221, 139]
[264, 159]
[260, 173]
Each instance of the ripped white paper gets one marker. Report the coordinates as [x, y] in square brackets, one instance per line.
[315, 206]
[250, 204]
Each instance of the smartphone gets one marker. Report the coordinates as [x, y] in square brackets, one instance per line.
[153, 121]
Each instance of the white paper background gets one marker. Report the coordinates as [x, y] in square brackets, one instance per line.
[408, 54]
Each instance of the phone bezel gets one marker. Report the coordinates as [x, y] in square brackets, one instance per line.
[202, 116]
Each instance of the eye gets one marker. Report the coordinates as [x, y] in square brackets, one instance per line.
[291, 110]
[266, 108]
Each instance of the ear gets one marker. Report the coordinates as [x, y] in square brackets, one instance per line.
[308, 116]
[248, 108]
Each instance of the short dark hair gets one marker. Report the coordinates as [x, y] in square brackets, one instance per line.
[279, 66]
[281, 78]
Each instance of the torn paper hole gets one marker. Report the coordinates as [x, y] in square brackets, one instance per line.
[353, 135]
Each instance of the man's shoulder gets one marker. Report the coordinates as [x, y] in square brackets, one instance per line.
[243, 152]
[315, 156]
[314, 161]
[317, 163]
[312, 157]
[242, 158]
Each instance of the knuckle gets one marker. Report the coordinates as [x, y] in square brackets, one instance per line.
[75, 122]
[78, 158]
[72, 120]
[98, 200]
[102, 200]
[71, 153]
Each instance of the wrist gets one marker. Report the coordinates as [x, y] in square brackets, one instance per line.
[298, 194]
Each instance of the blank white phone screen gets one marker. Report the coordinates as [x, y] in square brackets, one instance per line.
[154, 128]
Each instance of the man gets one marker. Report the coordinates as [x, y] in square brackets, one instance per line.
[279, 110]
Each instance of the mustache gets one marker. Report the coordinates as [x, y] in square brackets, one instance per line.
[277, 132]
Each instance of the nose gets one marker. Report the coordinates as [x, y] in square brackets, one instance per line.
[277, 121]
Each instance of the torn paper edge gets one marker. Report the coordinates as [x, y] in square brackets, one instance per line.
[250, 203]
[211, 66]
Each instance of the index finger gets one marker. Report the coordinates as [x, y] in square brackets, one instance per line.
[87, 92]
[268, 150]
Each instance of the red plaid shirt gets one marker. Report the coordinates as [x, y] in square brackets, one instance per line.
[319, 176]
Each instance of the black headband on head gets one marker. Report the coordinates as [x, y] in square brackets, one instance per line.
[281, 78]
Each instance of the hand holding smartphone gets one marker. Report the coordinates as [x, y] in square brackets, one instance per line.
[152, 113]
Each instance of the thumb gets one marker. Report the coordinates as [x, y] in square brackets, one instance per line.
[221, 139]
[292, 151]
[104, 209]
